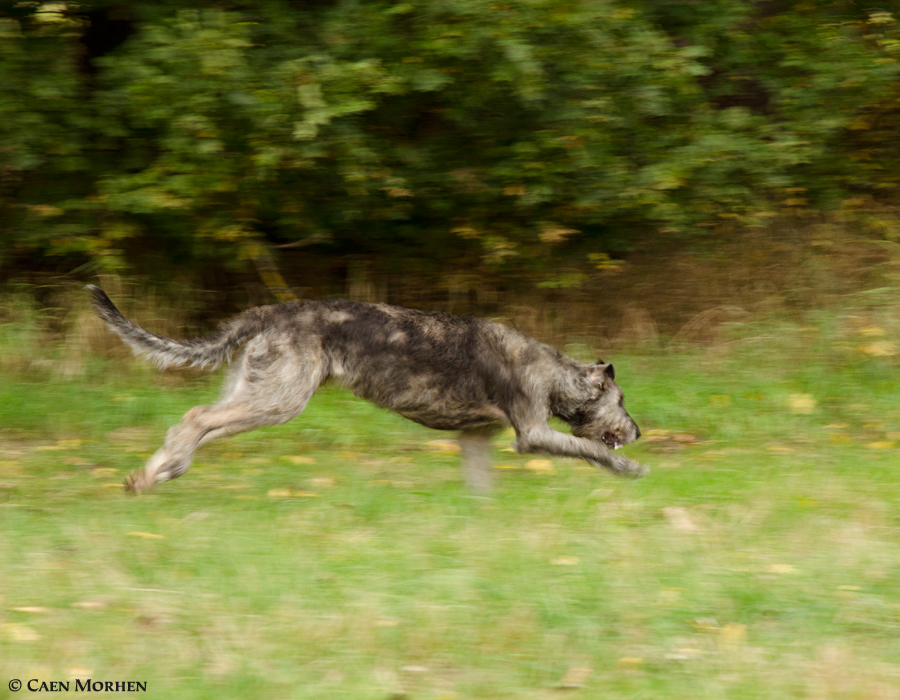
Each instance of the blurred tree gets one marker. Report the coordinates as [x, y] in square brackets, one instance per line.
[531, 132]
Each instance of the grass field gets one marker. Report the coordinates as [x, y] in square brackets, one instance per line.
[340, 556]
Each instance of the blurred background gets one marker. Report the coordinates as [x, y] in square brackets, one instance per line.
[704, 192]
[635, 163]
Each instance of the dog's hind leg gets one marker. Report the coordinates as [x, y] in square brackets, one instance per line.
[254, 398]
[475, 445]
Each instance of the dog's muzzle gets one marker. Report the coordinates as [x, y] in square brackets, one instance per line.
[610, 440]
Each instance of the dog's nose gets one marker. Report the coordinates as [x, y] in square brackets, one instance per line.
[638, 433]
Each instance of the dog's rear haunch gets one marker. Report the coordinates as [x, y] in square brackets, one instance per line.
[445, 372]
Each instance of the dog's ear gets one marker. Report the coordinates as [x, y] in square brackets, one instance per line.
[608, 369]
[601, 371]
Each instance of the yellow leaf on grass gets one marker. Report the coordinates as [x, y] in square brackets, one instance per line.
[305, 494]
[782, 569]
[802, 403]
[79, 672]
[300, 460]
[872, 332]
[507, 449]
[630, 661]
[31, 609]
[566, 561]
[732, 635]
[147, 535]
[323, 482]
[575, 677]
[880, 348]
[680, 519]
[881, 445]
[100, 471]
[507, 466]
[19, 633]
[542, 466]
[279, 493]
[443, 446]
[780, 448]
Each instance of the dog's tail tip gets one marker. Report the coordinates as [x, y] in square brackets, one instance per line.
[100, 298]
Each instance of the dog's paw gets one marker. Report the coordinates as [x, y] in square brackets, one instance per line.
[636, 470]
[622, 466]
[137, 482]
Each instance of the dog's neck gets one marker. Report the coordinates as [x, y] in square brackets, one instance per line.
[571, 391]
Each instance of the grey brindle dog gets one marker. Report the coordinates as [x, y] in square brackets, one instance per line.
[445, 372]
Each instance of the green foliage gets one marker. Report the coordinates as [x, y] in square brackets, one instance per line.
[524, 132]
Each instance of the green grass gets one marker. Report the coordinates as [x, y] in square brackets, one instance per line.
[761, 561]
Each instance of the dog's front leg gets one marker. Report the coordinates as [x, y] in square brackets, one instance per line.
[545, 440]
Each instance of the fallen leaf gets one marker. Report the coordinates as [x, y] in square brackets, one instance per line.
[507, 466]
[802, 403]
[147, 535]
[323, 482]
[705, 624]
[881, 445]
[31, 609]
[732, 635]
[880, 348]
[684, 654]
[100, 471]
[782, 569]
[680, 519]
[575, 677]
[542, 466]
[279, 493]
[566, 561]
[89, 605]
[443, 446]
[630, 661]
[872, 332]
[415, 669]
[305, 494]
[79, 672]
[19, 633]
[300, 460]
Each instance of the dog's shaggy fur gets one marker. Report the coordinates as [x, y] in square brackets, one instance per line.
[445, 372]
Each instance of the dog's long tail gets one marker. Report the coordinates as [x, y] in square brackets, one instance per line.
[210, 352]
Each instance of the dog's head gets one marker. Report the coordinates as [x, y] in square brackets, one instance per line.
[603, 416]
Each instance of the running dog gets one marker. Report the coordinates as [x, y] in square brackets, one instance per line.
[445, 372]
